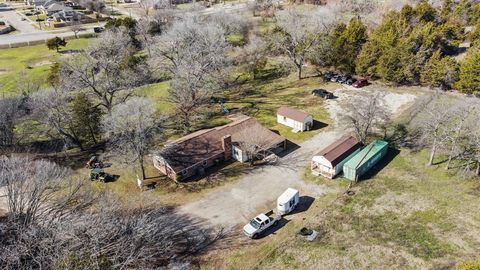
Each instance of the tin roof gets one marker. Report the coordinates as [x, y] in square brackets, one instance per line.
[292, 113]
[366, 154]
[340, 149]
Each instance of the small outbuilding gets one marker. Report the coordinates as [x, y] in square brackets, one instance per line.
[329, 161]
[298, 120]
[364, 160]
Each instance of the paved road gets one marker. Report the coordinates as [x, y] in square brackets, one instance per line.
[15, 19]
[38, 36]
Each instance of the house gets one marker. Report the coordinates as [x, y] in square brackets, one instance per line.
[329, 161]
[364, 160]
[67, 16]
[193, 154]
[55, 8]
[298, 120]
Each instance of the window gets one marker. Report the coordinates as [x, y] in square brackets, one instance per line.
[284, 118]
[204, 163]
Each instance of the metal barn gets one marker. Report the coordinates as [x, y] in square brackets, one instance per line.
[365, 160]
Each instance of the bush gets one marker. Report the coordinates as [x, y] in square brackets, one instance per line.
[470, 265]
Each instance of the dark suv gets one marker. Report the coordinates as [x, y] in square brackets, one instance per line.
[322, 93]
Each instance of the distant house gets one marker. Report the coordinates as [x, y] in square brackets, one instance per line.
[67, 16]
[55, 8]
[329, 161]
[298, 120]
[193, 154]
[364, 160]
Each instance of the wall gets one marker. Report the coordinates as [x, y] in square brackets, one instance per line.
[290, 122]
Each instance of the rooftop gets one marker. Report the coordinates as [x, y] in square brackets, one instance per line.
[340, 149]
[366, 153]
[204, 144]
[292, 113]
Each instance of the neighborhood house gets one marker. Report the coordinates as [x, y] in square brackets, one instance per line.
[329, 161]
[365, 160]
[298, 120]
[193, 154]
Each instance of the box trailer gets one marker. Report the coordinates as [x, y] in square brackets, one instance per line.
[364, 160]
[287, 201]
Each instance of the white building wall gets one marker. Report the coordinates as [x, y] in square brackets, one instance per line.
[291, 123]
[238, 155]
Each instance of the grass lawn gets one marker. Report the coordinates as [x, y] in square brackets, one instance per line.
[31, 63]
[405, 217]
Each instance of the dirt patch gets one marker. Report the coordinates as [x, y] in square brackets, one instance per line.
[3, 71]
[403, 204]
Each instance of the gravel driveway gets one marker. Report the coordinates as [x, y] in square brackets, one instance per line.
[257, 190]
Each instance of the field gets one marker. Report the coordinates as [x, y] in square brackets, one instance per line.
[30, 63]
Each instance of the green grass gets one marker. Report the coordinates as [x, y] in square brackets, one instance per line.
[29, 63]
[407, 216]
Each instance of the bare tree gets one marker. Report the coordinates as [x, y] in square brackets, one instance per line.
[365, 113]
[253, 55]
[108, 69]
[433, 123]
[76, 27]
[194, 53]
[52, 109]
[39, 191]
[11, 110]
[254, 142]
[299, 32]
[131, 127]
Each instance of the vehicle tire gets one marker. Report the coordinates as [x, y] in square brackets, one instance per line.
[255, 236]
[275, 223]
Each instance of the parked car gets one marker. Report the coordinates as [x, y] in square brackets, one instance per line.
[344, 78]
[328, 75]
[98, 29]
[322, 93]
[260, 223]
[360, 83]
[351, 81]
[335, 78]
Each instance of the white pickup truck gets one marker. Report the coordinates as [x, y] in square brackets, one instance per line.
[260, 223]
[285, 204]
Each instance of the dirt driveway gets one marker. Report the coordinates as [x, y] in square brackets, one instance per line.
[257, 191]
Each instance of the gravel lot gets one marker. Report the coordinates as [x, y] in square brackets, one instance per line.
[257, 190]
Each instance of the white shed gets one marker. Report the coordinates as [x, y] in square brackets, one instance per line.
[298, 120]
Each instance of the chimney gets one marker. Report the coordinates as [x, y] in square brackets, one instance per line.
[227, 146]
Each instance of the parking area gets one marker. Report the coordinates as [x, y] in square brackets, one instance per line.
[15, 19]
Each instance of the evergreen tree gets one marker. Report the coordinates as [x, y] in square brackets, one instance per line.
[347, 42]
[55, 43]
[85, 119]
[469, 77]
[440, 71]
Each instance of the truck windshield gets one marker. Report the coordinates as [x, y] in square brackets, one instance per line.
[255, 224]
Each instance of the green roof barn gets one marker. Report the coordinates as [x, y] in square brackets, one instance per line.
[365, 160]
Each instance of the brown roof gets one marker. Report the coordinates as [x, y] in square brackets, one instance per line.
[292, 113]
[340, 149]
[207, 143]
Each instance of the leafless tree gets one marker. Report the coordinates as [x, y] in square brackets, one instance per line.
[194, 53]
[254, 142]
[146, 7]
[11, 110]
[40, 191]
[108, 69]
[299, 31]
[253, 55]
[365, 114]
[231, 23]
[52, 109]
[434, 123]
[76, 27]
[131, 128]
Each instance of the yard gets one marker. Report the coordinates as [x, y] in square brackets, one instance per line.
[30, 63]
[405, 217]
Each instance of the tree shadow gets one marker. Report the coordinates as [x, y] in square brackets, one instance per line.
[391, 154]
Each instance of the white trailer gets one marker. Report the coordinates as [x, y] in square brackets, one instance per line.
[288, 201]
[285, 204]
